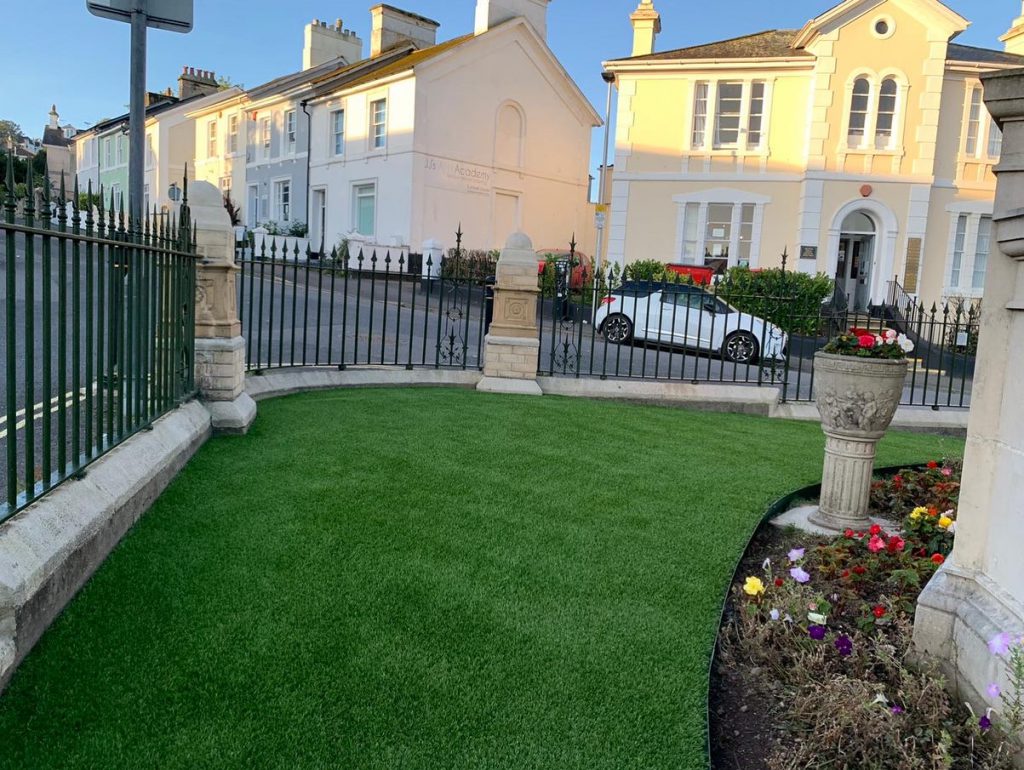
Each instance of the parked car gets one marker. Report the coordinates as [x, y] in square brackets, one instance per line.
[699, 275]
[687, 316]
[582, 269]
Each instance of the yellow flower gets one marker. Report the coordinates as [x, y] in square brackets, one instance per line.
[753, 587]
[945, 522]
[917, 513]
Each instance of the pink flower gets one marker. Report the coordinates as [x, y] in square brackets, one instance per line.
[947, 471]
[876, 544]
[799, 575]
[1000, 644]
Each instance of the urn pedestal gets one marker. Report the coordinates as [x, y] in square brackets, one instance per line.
[857, 399]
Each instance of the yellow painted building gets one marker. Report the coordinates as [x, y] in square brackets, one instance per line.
[859, 144]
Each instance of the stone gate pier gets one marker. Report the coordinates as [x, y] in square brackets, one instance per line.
[979, 592]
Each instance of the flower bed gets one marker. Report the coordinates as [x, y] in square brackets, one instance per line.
[816, 644]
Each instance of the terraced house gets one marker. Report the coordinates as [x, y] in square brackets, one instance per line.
[858, 144]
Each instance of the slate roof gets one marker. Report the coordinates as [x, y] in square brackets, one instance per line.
[770, 44]
[777, 44]
[969, 53]
[407, 59]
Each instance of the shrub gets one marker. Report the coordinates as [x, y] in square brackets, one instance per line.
[298, 229]
[469, 264]
[644, 270]
[792, 301]
[862, 343]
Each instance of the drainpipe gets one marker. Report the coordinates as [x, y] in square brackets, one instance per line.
[309, 146]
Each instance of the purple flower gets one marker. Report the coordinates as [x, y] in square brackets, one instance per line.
[994, 691]
[844, 645]
[817, 633]
[985, 724]
[799, 575]
[796, 554]
[896, 710]
[1000, 644]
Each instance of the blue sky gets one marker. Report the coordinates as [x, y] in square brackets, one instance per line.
[82, 62]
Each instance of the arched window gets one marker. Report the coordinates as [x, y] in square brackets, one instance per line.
[886, 114]
[508, 137]
[859, 106]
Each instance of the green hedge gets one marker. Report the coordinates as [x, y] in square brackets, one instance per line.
[792, 301]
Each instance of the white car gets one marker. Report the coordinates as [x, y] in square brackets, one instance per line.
[687, 316]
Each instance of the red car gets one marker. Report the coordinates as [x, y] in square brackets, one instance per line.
[700, 275]
[582, 270]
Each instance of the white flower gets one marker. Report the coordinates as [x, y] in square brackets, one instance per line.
[787, 619]
[881, 699]
[904, 342]
[775, 614]
[890, 335]
[818, 618]
[879, 340]
[766, 564]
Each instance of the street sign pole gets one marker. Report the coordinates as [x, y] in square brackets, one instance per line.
[137, 117]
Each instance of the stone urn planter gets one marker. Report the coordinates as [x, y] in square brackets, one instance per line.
[857, 399]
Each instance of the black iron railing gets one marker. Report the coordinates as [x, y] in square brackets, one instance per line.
[373, 307]
[679, 331]
[99, 332]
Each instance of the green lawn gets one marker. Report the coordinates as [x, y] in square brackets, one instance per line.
[419, 579]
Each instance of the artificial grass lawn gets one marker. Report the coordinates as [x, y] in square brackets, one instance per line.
[419, 579]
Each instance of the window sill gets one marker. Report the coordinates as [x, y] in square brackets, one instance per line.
[889, 153]
[726, 152]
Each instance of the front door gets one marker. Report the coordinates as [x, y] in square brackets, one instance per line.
[862, 289]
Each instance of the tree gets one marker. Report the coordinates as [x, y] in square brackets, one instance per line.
[224, 83]
[9, 132]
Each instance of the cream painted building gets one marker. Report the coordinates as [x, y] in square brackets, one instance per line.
[858, 144]
[486, 130]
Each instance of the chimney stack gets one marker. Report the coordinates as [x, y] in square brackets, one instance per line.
[491, 13]
[54, 117]
[1014, 39]
[646, 26]
[193, 82]
[324, 43]
[393, 27]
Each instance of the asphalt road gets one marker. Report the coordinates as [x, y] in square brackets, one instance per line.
[300, 315]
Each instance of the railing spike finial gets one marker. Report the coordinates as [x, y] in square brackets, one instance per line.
[572, 246]
[184, 187]
[785, 258]
[63, 190]
[30, 206]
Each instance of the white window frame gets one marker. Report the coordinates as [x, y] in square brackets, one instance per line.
[254, 216]
[870, 144]
[233, 124]
[281, 209]
[356, 196]
[699, 203]
[706, 140]
[266, 137]
[378, 140]
[291, 128]
[336, 134]
[972, 215]
[987, 130]
[211, 138]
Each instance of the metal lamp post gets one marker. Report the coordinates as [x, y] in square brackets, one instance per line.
[609, 78]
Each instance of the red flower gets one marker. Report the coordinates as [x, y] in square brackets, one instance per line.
[866, 340]
[938, 558]
[897, 482]
[921, 552]
[879, 611]
[849, 534]
[846, 573]
[933, 465]
[933, 512]
[896, 544]
[779, 582]
[859, 570]
[875, 529]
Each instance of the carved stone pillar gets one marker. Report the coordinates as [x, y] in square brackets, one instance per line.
[857, 399]
[979, 592]
[220, 348]
[513, 344]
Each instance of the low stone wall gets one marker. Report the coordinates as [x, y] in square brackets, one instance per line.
[49, 550]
